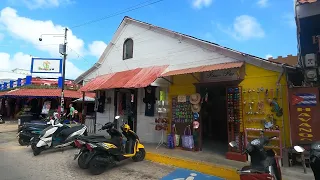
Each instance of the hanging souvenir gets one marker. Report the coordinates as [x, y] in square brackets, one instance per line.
[195, 124]
[195, 98]
[195, 115]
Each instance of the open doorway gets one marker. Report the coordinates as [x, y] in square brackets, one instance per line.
[214, 119]
[127, 107]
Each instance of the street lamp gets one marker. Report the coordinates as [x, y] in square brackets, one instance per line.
[62, 51]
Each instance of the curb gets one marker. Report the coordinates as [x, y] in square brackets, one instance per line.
[206, 168]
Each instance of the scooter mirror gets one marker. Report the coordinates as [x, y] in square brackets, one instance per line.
[117, 117]
[233, 144]
[299, 149]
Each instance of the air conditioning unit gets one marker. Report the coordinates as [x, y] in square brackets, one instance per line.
[310, 60]
[311, 74]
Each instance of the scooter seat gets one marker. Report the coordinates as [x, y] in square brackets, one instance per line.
[68, 131]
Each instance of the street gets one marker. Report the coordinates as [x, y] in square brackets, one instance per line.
[17, 162]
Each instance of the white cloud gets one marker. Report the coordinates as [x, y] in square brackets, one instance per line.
[96, 48]
[268, 56]
[37, 4]
[263, 3]
[244, 28]
[23, 61]
[30, 30]
[198, 4]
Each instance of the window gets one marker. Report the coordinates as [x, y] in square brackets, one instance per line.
[127, 49]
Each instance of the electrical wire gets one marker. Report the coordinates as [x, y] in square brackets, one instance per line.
[132, 8]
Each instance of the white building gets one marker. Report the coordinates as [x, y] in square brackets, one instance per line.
[155, 46]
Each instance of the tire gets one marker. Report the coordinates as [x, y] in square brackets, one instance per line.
[21, 142]
[96, 167]
[35, 149]
[140, 155]
[82, 159]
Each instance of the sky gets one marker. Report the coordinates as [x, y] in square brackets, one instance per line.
[264, 28]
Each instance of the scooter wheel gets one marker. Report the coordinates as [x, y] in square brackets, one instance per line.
[36, 150]
[21, 142]
[96, 167]
[140, 155]
[82, 160]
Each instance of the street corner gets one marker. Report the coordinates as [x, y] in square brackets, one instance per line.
[185, 174]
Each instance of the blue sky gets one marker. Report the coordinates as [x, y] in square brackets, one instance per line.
[257, 27]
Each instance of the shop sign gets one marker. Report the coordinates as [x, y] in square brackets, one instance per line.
[309, 30]
[304, 115]
[46, 65]
[221, 75]
[182, 98]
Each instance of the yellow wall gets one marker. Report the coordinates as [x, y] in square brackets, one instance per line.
[255, 78]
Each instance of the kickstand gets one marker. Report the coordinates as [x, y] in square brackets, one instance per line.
[161, 142]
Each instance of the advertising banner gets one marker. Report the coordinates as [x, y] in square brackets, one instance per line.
[304, 115]
[309, 30]
[46, 65]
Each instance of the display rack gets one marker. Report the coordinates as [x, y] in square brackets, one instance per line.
[275, 144]
[161, 122]
[235, 118]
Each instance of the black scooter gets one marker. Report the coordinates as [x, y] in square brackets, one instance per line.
[27, 132]
[264, 165]
[314, 158]
[82, 142]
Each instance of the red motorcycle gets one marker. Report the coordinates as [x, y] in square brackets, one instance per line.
[264, 165]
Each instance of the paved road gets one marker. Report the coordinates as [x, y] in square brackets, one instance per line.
[18, 163]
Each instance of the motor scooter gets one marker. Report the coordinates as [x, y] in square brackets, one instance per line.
[264, 165]
[104, 155]
[314, 158]
[56, 136]
[82, 142]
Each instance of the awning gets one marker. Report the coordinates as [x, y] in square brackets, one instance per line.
[86, 99]
[135, 78]
[204, 68]
[43, 93]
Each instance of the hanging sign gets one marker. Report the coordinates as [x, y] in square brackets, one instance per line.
[46, 65]
[182, 98]
[221, 75]
[304, 115]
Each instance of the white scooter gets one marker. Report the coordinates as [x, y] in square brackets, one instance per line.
[56, 136]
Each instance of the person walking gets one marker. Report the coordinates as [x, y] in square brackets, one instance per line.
[72, 110]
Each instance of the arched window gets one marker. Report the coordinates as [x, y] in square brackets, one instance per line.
[127, 49]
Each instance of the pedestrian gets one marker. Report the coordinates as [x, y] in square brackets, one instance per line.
[71, 113]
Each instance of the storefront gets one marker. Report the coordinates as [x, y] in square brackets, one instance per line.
[234, 103]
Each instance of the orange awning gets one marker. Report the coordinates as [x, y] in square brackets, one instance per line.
[135, 78]
[306, 1]
[43, 93]
[213, 67]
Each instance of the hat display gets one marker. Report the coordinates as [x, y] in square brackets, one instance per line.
[195, 108]
[195, 98]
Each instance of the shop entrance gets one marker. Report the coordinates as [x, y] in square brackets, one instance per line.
[127, 106]
[214, 119]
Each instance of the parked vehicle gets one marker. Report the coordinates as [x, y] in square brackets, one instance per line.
[314, 158]
[29, 131]
[82, 142]
[264, 165]
[104, 155]
[56, 136]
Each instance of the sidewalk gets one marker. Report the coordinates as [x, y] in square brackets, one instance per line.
[212, 164]
[8, 127]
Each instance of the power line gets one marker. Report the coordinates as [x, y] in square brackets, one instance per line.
[132, 8]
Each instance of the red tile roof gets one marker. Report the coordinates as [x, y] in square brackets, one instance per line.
[204, 68]
[135, 78]
[44, 93]
[306, 1]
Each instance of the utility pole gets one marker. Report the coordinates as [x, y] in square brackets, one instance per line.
[63, 51]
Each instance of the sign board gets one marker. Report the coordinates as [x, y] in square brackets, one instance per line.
[304, 115]
[182, 98]
[309, 29]
[185, 174]
[46, 65]
[221, 75]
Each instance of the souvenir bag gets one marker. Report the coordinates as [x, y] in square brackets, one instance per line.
[170, 141]
[176, 137]
[187, 139]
